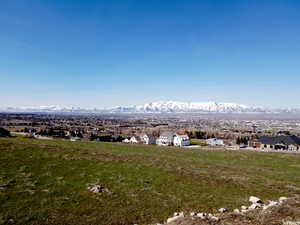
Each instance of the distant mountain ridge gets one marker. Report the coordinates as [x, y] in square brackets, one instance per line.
[158, 107]
[187, 107]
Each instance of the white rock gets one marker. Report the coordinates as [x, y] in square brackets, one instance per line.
[282, 199]
[254, 199]
[273, 203]
[209, 215]
[236, 211]
[193, 214]
[254, 206]
[244, 207]
[222, 210]
[214, 218]
[98, 189]
[169, 220]
[244, 210]
[176, 214]
[201, 215]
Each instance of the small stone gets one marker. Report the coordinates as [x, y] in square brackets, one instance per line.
[283, 199]
[244, 210]
[180, 215]
[193, 214]
[244, 207]
[176, 214]
[214, 218]
[254, 199]
[273, 203]
[222, 210]
[236, 211]
[98, 189]
[254, 206]
[201, 215]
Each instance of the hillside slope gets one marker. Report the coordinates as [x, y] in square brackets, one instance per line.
[45, 182]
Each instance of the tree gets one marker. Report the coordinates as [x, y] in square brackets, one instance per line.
[4, 132]
[93, 137]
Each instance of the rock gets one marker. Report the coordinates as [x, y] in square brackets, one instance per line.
[236, 211]
[98, 189]
[176, 214]
[244, 210]
[214, 218]
[254, 199]
[244, 207]
[201, 215]
[193, 214]
[254, 206]
[209, 215]
[222, 210]
[283, 199]
[271, 204]
[180, 215]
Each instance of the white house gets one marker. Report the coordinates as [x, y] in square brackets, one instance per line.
[75, 139]
[126, 140]
[181, 140]
[166, 139]
[147, 139]
[135, 139]
[215, 142]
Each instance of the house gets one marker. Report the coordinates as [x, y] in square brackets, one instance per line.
[126, 140]
[147, 139]
[181, 140]
[215, 142]
[166, 139]
[75, 139]
[135, 139]
[290, 143]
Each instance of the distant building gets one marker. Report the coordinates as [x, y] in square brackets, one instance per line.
[75, 139]
[135, 139]
[166, 139]
[215, 142]
[181, 140]
[291, 143]
[147, 139]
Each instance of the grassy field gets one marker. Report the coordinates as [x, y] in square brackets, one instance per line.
[45, 182]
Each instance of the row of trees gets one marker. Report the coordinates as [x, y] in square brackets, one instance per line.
[61, 133]
[4, 132]
[53, 133]
[106, 138]
[243, 140]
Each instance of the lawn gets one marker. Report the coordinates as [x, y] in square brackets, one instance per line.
[45, 181]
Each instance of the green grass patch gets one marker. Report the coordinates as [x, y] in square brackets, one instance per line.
[45, 182]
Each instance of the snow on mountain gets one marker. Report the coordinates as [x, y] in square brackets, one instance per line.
[158, 107]
[46, 109]
[185, 107]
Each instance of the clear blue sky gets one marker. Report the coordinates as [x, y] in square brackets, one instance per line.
[121, 52]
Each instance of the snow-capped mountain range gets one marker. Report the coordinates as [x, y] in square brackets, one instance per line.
[157, 107]
[187, 107]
